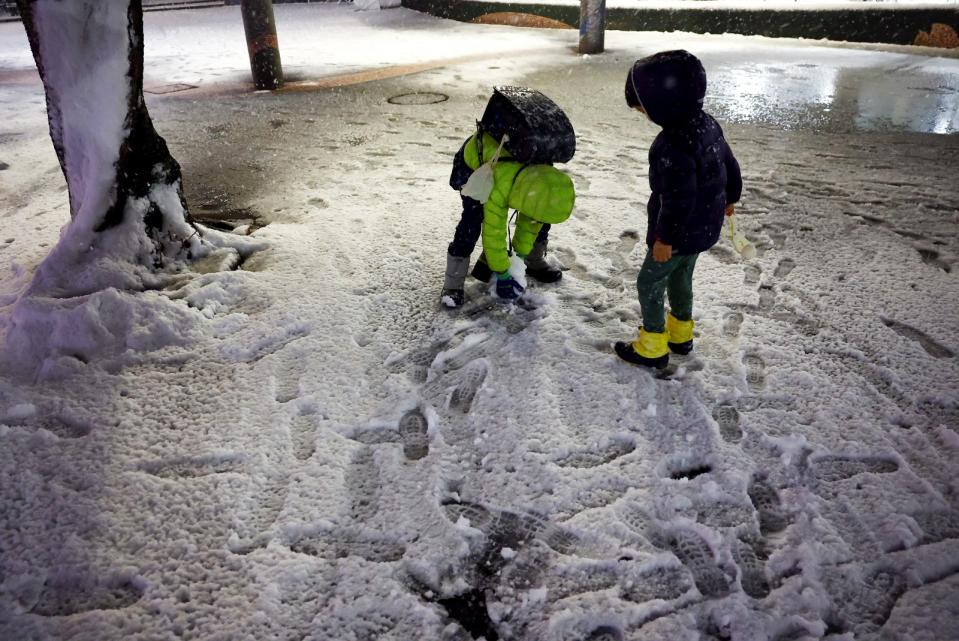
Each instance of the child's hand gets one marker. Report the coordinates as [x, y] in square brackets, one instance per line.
[662, 252]
[730, 209]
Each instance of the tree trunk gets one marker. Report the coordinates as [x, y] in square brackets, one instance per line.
[126, 198]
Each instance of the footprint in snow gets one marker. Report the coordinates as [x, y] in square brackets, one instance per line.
[190, 468]
[417, 363]
[362, 480]
[723, 255]
[722, 514]
[931, 257]
[303, 434]
[607, 492]
[767, 298]
[728, 419]
[933, 348]
[838, 468]
[474, 375]
[65, 596]
[752, 569]
[772, 516]
[583, 579]
[663, 583]
[288, 380]
[938, 525]
[63, 426]
[755, 371]
[263, 346]
[863, 604]
[752, 274]
[641, 522]
[413, 434]
[695, 554]
[595, 458]
[347, 543]
[784, 268]
[512, 529]
[732, 323]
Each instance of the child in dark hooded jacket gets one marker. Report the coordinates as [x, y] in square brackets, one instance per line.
[695, 180]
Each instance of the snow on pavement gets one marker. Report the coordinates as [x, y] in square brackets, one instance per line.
[331, 456]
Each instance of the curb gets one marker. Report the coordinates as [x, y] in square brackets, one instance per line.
[890, 25]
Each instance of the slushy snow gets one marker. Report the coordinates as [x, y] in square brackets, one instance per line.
[294, 441]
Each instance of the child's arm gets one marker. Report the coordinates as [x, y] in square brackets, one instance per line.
[495, 223]
[496, 216]
[525, 235]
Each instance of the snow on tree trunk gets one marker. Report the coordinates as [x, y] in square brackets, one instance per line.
[94, 299]
[128, 215]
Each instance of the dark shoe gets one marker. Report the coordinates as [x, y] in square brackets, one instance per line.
[626, 352]
[538, 267]
[681, 348]
[481, 270]
[548, 274]
[452, 298]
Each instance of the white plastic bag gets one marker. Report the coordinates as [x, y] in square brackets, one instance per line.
[366, 5]
[740, 243]
[480, 183]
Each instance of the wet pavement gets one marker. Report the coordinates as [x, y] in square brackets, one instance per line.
[836, 99]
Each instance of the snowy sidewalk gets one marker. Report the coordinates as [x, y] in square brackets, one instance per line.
[321, 453]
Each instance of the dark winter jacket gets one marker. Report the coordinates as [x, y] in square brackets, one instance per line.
[693, 174]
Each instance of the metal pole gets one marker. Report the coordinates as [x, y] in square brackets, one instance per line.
[260, 27]
[592, 26]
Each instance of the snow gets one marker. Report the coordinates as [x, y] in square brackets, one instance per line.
[93, 104]
[295, 441]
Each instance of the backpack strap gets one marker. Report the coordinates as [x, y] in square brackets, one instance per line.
[479, 141]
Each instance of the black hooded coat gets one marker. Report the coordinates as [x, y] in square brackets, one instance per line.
[693, 174]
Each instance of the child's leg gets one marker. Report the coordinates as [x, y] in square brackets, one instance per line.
[536, 264]
[543, 233]
[651, 284]
[468, 230]
[458, 253]
[680, 287]
[651, 347]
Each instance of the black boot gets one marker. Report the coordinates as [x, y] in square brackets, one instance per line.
[626, 352]
[538, 267]
[453, 295]
[481, 270]
[681, 348]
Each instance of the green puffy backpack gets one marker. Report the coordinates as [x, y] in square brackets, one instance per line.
[543, 193]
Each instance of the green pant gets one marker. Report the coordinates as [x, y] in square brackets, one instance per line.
[675, 276]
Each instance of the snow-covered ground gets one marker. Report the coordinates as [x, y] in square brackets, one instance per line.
[309, 448]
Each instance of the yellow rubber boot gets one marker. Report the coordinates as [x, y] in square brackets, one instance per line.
[680, 334]
[649, 350]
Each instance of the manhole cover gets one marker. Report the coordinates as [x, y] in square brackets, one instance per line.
[418, 98]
